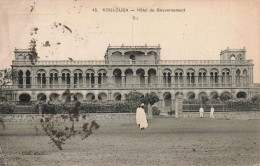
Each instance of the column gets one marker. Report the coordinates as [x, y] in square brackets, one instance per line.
[102, 80]
[110, 79]
[71, 81]
[24, 81]
[219, 81]
[196, 80]
[59, 80]
[123, 81]
[96, 81]
[47, 81]
[184, 76]
[166, 79]
[233, 77]
[78, 81]
[172, 80]
[134, 78]
[83, 80]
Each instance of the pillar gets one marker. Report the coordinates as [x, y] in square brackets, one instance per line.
[233, 77]
[71, 81]
[96, 81]
[47, 81]
[24, 81]
[196, 80]
[83, 80]
[123, 81]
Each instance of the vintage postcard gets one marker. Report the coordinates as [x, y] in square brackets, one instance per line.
[122, 82]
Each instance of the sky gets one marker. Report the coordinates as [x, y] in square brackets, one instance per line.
[81, 30]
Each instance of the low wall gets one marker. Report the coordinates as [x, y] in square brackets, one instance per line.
[120, 117]
[225, 115]
[130, 117]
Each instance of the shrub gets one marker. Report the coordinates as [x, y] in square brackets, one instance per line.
[225, 96]
[156, 111]
[6, 108]
[241, 104]
[256, 99]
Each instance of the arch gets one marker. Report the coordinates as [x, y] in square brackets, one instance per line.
[178, 93]
[116, 53]
[178, 70]
[90, 71]
[190, 70]
[102, 96]
[78, 71]
[41, 71]
[129, 76]
[118, 76]
[167, 70]
[78, 96]
[151, 53]
[225, 95]
[232, 57]
[239, 57]
[151, 76]
[53, 71]
[191, 95]
[90, 97]
[238, 72]
[102, 71]
[214, 95]
[54, 97]
[201, 94]
[202, 70]
[24, 98]
[20, 78]
[241, 94]
[117, 72]
[214, 70]
[140, 76]
[167, 99]
[244, 72]
[20, 56]
[132, 57]
[117, 96]
[41, 97]
[28, 79]
[66, 97]
[225, 70]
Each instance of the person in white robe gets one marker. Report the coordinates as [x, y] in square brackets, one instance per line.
[141, 117]
[201, 110]
[138, 116]
[212, 112]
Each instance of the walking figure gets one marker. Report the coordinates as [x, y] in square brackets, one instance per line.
[201, 110]
[212, 112]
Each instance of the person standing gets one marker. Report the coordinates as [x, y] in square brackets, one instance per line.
[211, 112]
[141, 117]
[138, 116]
[201, 110]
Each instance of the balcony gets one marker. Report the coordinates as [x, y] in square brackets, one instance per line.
[141, 62]
[118, 86]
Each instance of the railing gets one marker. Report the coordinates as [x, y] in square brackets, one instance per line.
[133, 62]
[134, 46]
[119, 86]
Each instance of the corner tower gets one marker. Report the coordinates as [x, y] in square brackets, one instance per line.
[233, 54]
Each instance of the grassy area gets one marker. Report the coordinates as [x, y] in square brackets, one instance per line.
[166, 141]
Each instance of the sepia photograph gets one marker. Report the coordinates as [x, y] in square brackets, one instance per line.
[129, 83]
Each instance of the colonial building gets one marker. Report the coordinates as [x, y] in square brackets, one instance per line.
[127, 69]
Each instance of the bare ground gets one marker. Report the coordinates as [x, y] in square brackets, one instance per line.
[167, 141]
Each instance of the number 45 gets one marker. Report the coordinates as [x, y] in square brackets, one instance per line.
[94, 10]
